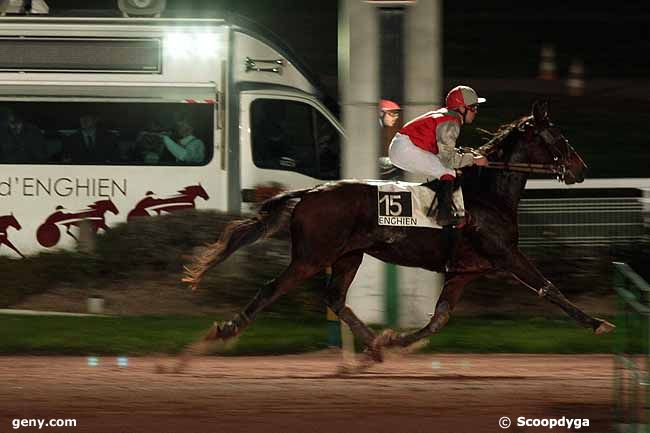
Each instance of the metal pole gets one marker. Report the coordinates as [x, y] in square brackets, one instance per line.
[391, 84]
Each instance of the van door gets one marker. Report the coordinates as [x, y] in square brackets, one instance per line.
[287, 142]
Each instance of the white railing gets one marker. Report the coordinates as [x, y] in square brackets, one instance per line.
[585, 221]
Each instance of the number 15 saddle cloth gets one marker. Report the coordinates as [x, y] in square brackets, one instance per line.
[408, 204]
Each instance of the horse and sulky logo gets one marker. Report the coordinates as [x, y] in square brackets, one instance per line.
[185, 199]
[7, 221]
[49, 234]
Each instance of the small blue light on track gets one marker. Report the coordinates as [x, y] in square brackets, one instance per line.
[92, 361]
[122, 361]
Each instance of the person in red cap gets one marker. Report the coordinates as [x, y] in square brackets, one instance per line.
[389, 112]
[427, 146]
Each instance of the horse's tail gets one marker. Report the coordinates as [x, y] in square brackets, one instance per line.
[272, 216]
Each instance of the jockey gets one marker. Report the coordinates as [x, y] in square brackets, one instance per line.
[389, 112]
[427, 146]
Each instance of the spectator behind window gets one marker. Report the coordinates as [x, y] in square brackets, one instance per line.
[90, 144]
[187, 148]
[21, 142]
[149, 146]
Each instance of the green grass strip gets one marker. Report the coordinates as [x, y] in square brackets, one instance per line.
[169, 334]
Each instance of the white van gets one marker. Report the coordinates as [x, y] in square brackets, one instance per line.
[107, 119]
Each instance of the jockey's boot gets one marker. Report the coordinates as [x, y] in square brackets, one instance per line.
[446, 215]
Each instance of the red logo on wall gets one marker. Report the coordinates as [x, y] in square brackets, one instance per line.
[48, 233]
[7, 221]
[183, 200]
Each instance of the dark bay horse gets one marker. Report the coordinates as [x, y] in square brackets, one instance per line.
[336, 224]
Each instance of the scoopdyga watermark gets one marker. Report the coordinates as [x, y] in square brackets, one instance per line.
[550, 423]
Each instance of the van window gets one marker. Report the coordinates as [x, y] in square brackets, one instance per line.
[106, 133]
[294, 136]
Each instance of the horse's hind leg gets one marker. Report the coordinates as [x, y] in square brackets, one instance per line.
[297, 272]
[343, 272]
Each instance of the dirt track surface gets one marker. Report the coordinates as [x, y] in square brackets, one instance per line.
[302, 393]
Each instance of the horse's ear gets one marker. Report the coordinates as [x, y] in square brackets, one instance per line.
[540, 112]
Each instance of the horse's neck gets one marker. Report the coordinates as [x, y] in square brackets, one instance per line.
[510, 185]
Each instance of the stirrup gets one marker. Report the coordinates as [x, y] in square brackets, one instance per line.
[451, 222]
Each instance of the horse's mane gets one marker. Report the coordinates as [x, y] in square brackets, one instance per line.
[503, 135]
[503, 139]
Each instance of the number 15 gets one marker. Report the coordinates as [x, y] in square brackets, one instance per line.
[392, 201]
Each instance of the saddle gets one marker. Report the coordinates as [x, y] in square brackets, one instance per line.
[437, 187]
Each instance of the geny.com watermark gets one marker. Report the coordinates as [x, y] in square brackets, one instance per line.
[40, 423]
[564, 422]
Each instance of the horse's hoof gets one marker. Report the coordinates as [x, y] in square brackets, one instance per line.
[214, 333]
[345, 370]
[604, 327]
[374, 353]
[363, 364]
[387, 338]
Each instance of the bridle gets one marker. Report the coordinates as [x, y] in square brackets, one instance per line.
[560, 157]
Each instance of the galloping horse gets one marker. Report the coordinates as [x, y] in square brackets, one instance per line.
[336, 224]
[7, 221]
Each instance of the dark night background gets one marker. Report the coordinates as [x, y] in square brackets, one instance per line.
[495, 47]
[481, 39]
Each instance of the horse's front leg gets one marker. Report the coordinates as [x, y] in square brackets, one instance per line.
[449, 297]
[8, 243]
[528, 274]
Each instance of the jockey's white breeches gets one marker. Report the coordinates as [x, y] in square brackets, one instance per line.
[407, 156]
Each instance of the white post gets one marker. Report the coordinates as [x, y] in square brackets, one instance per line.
[358, 55]
[420, 289]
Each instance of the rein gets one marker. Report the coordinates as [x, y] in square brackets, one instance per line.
[558, 168]
[527, 167]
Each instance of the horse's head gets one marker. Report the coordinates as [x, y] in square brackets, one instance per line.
[546, 145]
[104, 206]
[9, 221]
[533, 144]
[195, 191]
[13, 222]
